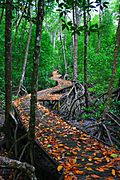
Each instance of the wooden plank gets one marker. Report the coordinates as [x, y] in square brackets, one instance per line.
[80, 155]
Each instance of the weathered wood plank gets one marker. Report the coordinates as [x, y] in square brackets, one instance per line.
[80, 155]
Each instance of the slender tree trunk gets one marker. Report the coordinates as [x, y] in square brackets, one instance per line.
[20, 45]
[85, 57]
[8, 69]
[34, 81]
[18, 24]
[100, 20]
[116, 53]
[16, 31]
[25, 59]
[63, 49]
[54, 40]
[75, 42]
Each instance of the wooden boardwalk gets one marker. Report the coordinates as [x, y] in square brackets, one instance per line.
[78, 155]
[53, 94]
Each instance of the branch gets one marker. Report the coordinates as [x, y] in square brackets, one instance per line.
[113, 119]
[17, 140]
[23, 150]
[15, 132]
[108, 134]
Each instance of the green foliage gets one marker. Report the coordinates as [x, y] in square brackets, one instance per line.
[115, 106]
[108, 31]
[99, 65]
[47, 61]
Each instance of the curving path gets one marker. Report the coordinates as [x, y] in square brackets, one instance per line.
[79, 155]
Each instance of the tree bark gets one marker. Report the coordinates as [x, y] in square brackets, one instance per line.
[100, 20]
[25, 59]
[34, 81]
[18, 24]
[22, 34]
[54, 40]
[22, 166]
[75, 42]
[85, 56]
[8, 68]
[63, 49]
[116, 53]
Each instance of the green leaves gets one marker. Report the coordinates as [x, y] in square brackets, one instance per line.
[102, 5]
[105, 4]
[93, 28]
[49, 145]
[114, 155]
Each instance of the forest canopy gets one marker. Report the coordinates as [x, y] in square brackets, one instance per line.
[52, 53]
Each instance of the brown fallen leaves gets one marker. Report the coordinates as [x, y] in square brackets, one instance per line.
[78, 154]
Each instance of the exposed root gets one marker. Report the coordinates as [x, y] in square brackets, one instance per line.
[71, 104]
[23, 151]
[25, 168]
[17, 140]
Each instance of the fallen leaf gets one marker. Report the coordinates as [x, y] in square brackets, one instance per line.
[59, 168]
[89, 168]
[114, 155]
[83, 159]
[98, 159]
[89, 164]
[90, 159]
[58, 157]
[95, 176]
[74, 152]
[70, 177]
[113, 172]
[109, 178]
[49, 145]
[100, 169]
[79, 172]
[88, 149]
[107, 159]
[61, 145]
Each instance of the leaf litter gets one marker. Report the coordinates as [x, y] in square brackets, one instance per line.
[81, 156]
[78, 154]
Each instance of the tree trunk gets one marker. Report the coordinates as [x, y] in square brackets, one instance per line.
[25, 59]
[22, 34]
[85, 56]
[75, 42]
[63, 49]
[100, 20]
[18, 24]
[34, 81]
[116, 53]
[54, 40]
[8, 69]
